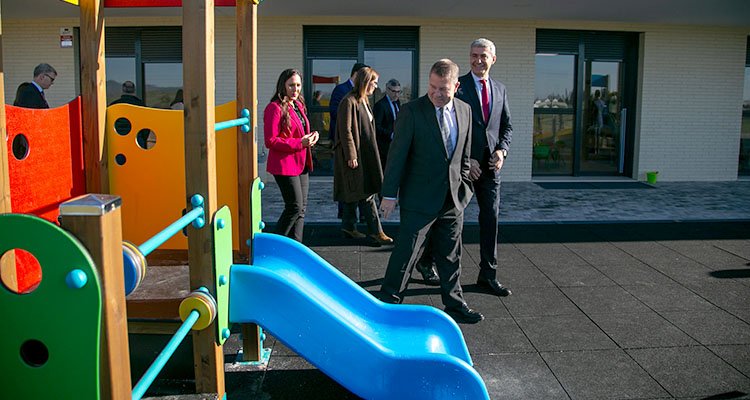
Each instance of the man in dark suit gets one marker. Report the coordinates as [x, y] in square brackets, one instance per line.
[386, 110]
[428, 169]
[31, 94]
[490, 142]
[128, 95]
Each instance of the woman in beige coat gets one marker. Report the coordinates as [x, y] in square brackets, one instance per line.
[357, 173]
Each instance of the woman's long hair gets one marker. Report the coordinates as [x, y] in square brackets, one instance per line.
[362, 80]
[281, 97]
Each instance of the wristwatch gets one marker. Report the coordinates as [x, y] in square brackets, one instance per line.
[505, 153]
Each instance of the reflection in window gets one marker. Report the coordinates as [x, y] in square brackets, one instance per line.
[119, 70]
[391, 64]
[554, 112]
[744, 162]
[163, 81]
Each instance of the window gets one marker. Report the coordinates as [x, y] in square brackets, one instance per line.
[151, 57]
[330, 53]
[744, 162]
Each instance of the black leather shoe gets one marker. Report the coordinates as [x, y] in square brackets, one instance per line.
[429, 275]
[493, 286]
[389, 298]
[464, 314]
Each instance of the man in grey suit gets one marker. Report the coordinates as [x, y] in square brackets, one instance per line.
[428, 169]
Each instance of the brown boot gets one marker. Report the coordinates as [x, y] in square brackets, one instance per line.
[381, 238]
[353, 234]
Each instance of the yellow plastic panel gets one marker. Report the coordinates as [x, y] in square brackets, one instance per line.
[151, 181]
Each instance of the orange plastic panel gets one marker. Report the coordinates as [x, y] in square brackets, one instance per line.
[51, 171]
[151, 181]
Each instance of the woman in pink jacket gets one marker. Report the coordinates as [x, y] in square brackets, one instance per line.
[288, 139]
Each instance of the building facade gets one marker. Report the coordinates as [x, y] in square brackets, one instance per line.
[589, 98]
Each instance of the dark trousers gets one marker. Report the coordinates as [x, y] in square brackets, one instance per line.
[445, 243]
[293, 189]
[487, 192]
[367, 209]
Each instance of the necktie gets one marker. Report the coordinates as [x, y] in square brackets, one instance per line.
[485, 101]
[445, 130]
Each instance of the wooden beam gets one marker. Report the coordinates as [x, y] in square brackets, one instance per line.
[200, 175]
[94, 95]
[8, 262]
[101, 233]
[247, 159]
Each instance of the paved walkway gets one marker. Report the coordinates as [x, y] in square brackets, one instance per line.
[527, 202]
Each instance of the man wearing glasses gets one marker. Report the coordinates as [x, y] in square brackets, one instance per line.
[31, 94]
[386, 110]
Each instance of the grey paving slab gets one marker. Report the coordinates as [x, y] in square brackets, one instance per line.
[539, 301]
[489, 305]
[518, 376]
[641, 330]
[522, 277]
[550, 254]
[690, 371]
[726, 294]
[602, 253]
[604, 299]
[635, 274]
[564, 332]
[707, 253]
[602, 374]
[575, 275]
[711, 327]
[738, 356]
[672, 297]
[740, 248]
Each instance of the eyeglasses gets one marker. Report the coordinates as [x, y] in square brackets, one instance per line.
[395, 91]
[51, 79]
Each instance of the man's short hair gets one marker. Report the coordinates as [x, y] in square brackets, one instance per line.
[393, 83]
[484, 43]
[445, 68]
[128, 87]
[44, 68]
[357, 67]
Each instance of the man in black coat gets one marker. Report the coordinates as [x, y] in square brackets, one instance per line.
[31, 94]
[128, 95]
[386, 110]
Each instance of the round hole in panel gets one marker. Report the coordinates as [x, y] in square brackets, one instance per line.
[146, 139]
[34, 353]
[20, 271]
[122, 126]
[20, 147]
[120, 159]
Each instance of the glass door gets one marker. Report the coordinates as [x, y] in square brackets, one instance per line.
[602, 144]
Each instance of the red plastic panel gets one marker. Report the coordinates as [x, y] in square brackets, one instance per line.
[51, 172]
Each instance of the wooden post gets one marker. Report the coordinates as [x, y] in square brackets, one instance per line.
[96, 221]
[200, 175]
[247, 159]
[7, 263]
[94, 95]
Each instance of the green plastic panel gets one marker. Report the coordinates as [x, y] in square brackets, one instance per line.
[63, 321]
[255, 206]
[222, 263]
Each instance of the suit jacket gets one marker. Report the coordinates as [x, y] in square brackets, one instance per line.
[355, 139]
[419, 171]
[27, 95]
[129, 99]
[286, 155]
[337, 95]
[384, 125]
[497, 133]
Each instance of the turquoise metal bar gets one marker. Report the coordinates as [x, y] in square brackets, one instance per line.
[148, 378]
[150, 245]
[243, 122]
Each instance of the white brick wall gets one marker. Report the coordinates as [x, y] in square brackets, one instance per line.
[691, 91]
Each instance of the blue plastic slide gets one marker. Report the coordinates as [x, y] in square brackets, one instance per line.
[376, 350]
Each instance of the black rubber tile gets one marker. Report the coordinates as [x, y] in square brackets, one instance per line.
[635, 274]
[641, 330]
[575, 275]
[564, 332]
[601, 253]
[489, 305]
[518, 376]
[522, 277]
[494, 336]
[295, 378]
[669, 297]
[727, 294]
[738, 247]
[738, 356]
[714, 327]
[539, 301]
[550, 254]
[707, 253]
[690, 371]
[604, 299]
[508, 255]
[602, 374]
